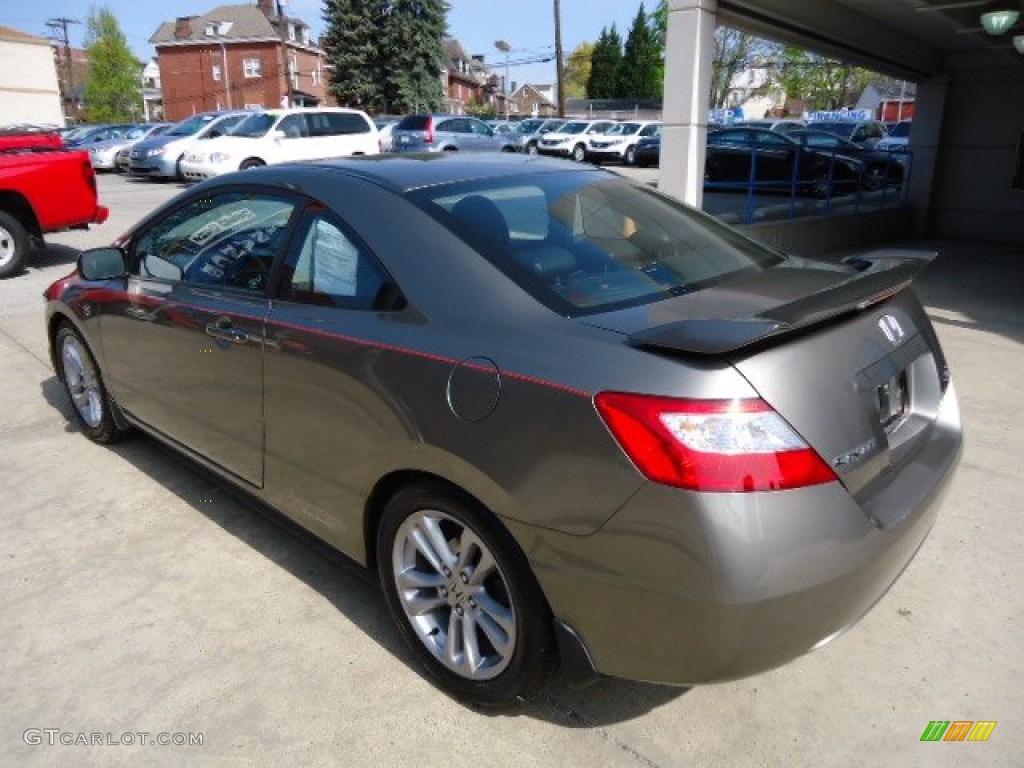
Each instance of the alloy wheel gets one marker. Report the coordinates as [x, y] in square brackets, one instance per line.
[454, 594]
[82, 381]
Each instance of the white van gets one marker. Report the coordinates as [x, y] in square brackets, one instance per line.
[284, 135]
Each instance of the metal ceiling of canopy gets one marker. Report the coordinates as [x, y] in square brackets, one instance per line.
[913, 39]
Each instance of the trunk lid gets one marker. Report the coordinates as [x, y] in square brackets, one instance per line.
[844, 353]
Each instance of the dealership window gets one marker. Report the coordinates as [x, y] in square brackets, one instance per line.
[216, 72]
[253, 67]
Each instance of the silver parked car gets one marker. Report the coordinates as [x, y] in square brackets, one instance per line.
[447, 133]
[104, 154]
[528, 132]
[564, 418]
[160, 157]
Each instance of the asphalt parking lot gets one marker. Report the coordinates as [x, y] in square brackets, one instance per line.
[140, 597]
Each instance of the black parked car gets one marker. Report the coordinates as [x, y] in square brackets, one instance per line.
[738, 157]
[880, 167]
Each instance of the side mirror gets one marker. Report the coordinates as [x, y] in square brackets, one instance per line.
[276, 134]
[102, 263]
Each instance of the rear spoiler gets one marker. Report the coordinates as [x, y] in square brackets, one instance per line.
[879, 275]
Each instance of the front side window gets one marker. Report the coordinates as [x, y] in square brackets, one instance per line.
[293, 127]
[331, 267]
[228, 239]
[252, 67]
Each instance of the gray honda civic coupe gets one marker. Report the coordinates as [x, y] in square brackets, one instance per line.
[568, 421]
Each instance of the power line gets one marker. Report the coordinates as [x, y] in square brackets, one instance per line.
[61, 23]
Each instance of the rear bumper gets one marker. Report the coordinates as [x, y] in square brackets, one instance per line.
[690, 588]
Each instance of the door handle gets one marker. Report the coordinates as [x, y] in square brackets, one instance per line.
[227, 332]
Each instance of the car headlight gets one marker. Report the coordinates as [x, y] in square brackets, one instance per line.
[155, 152]
[220, 157]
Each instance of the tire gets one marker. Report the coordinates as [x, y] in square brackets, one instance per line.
[94, 408]
[252, 162]
[630, 157]
[875, 179]
[531, 148]
[448, 568]
[14, 245]
[178, 175]
[579, 153]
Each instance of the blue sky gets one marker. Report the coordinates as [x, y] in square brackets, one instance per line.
[528, 25]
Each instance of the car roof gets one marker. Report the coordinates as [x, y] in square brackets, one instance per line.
[405, 172]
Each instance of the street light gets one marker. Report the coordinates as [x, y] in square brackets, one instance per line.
[504, 47]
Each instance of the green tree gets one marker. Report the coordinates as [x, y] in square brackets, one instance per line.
[605, 65]
[734, 52]
[820, 82]
[413, 35]
[353, 29]
[577, 71]
[386, 54]
[640, 71]
[113, 92]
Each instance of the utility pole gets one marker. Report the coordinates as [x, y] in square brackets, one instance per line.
[559, 71]
[282, 28]
[504, 47]
[61, 23]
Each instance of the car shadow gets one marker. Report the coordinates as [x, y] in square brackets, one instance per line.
[52, 255]
[351, 588]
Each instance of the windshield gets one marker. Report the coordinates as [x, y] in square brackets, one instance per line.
[582, 242]
[900, 130]
[623, 129]
[529, 126]
[573, 128]
[190, 126]
[255, 126]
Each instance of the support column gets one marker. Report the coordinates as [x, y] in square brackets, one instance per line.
[689, 51]
[926, 138]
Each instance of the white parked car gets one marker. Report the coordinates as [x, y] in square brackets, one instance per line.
[619, 144]
[571, 139]
[284, 135]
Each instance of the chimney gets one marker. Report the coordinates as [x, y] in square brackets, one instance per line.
[183, 27]
[269, 9]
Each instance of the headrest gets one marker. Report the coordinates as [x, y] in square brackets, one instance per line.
[547, 260]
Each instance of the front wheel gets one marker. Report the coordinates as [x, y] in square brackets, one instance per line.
[464, 598]
[85, 388]
[531, 148]
[579, 153]
[630, 157]
[14, 245]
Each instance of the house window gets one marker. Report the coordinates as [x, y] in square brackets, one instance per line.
[216, 72]
[293, 70]
[291, 32]
[305, 35]
[252, 67]
[316, 75]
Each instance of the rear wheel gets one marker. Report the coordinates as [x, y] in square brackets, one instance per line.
[821, 185]
[464, 597]
[14, 245]
[84, 385]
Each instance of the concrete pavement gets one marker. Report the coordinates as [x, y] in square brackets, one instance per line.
[138, 596]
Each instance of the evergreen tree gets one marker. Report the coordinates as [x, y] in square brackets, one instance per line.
[352, 42]
[386, 54]
[640, 73]
[412, 36]
[113, 92]
[604, 65]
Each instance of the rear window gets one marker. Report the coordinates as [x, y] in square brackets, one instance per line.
[582, 243]
[413, 123]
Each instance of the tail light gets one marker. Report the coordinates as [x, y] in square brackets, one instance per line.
[711, 445]
[90, 175]
[429, 138]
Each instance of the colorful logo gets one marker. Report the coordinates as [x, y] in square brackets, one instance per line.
[958, 730]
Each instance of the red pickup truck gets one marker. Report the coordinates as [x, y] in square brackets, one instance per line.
[43, 188]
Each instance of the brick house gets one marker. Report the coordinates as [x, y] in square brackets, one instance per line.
[530, 101]
[238, 57]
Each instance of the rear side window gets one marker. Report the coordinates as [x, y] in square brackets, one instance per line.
[413, 123]
[336, 123]
[582, 243]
